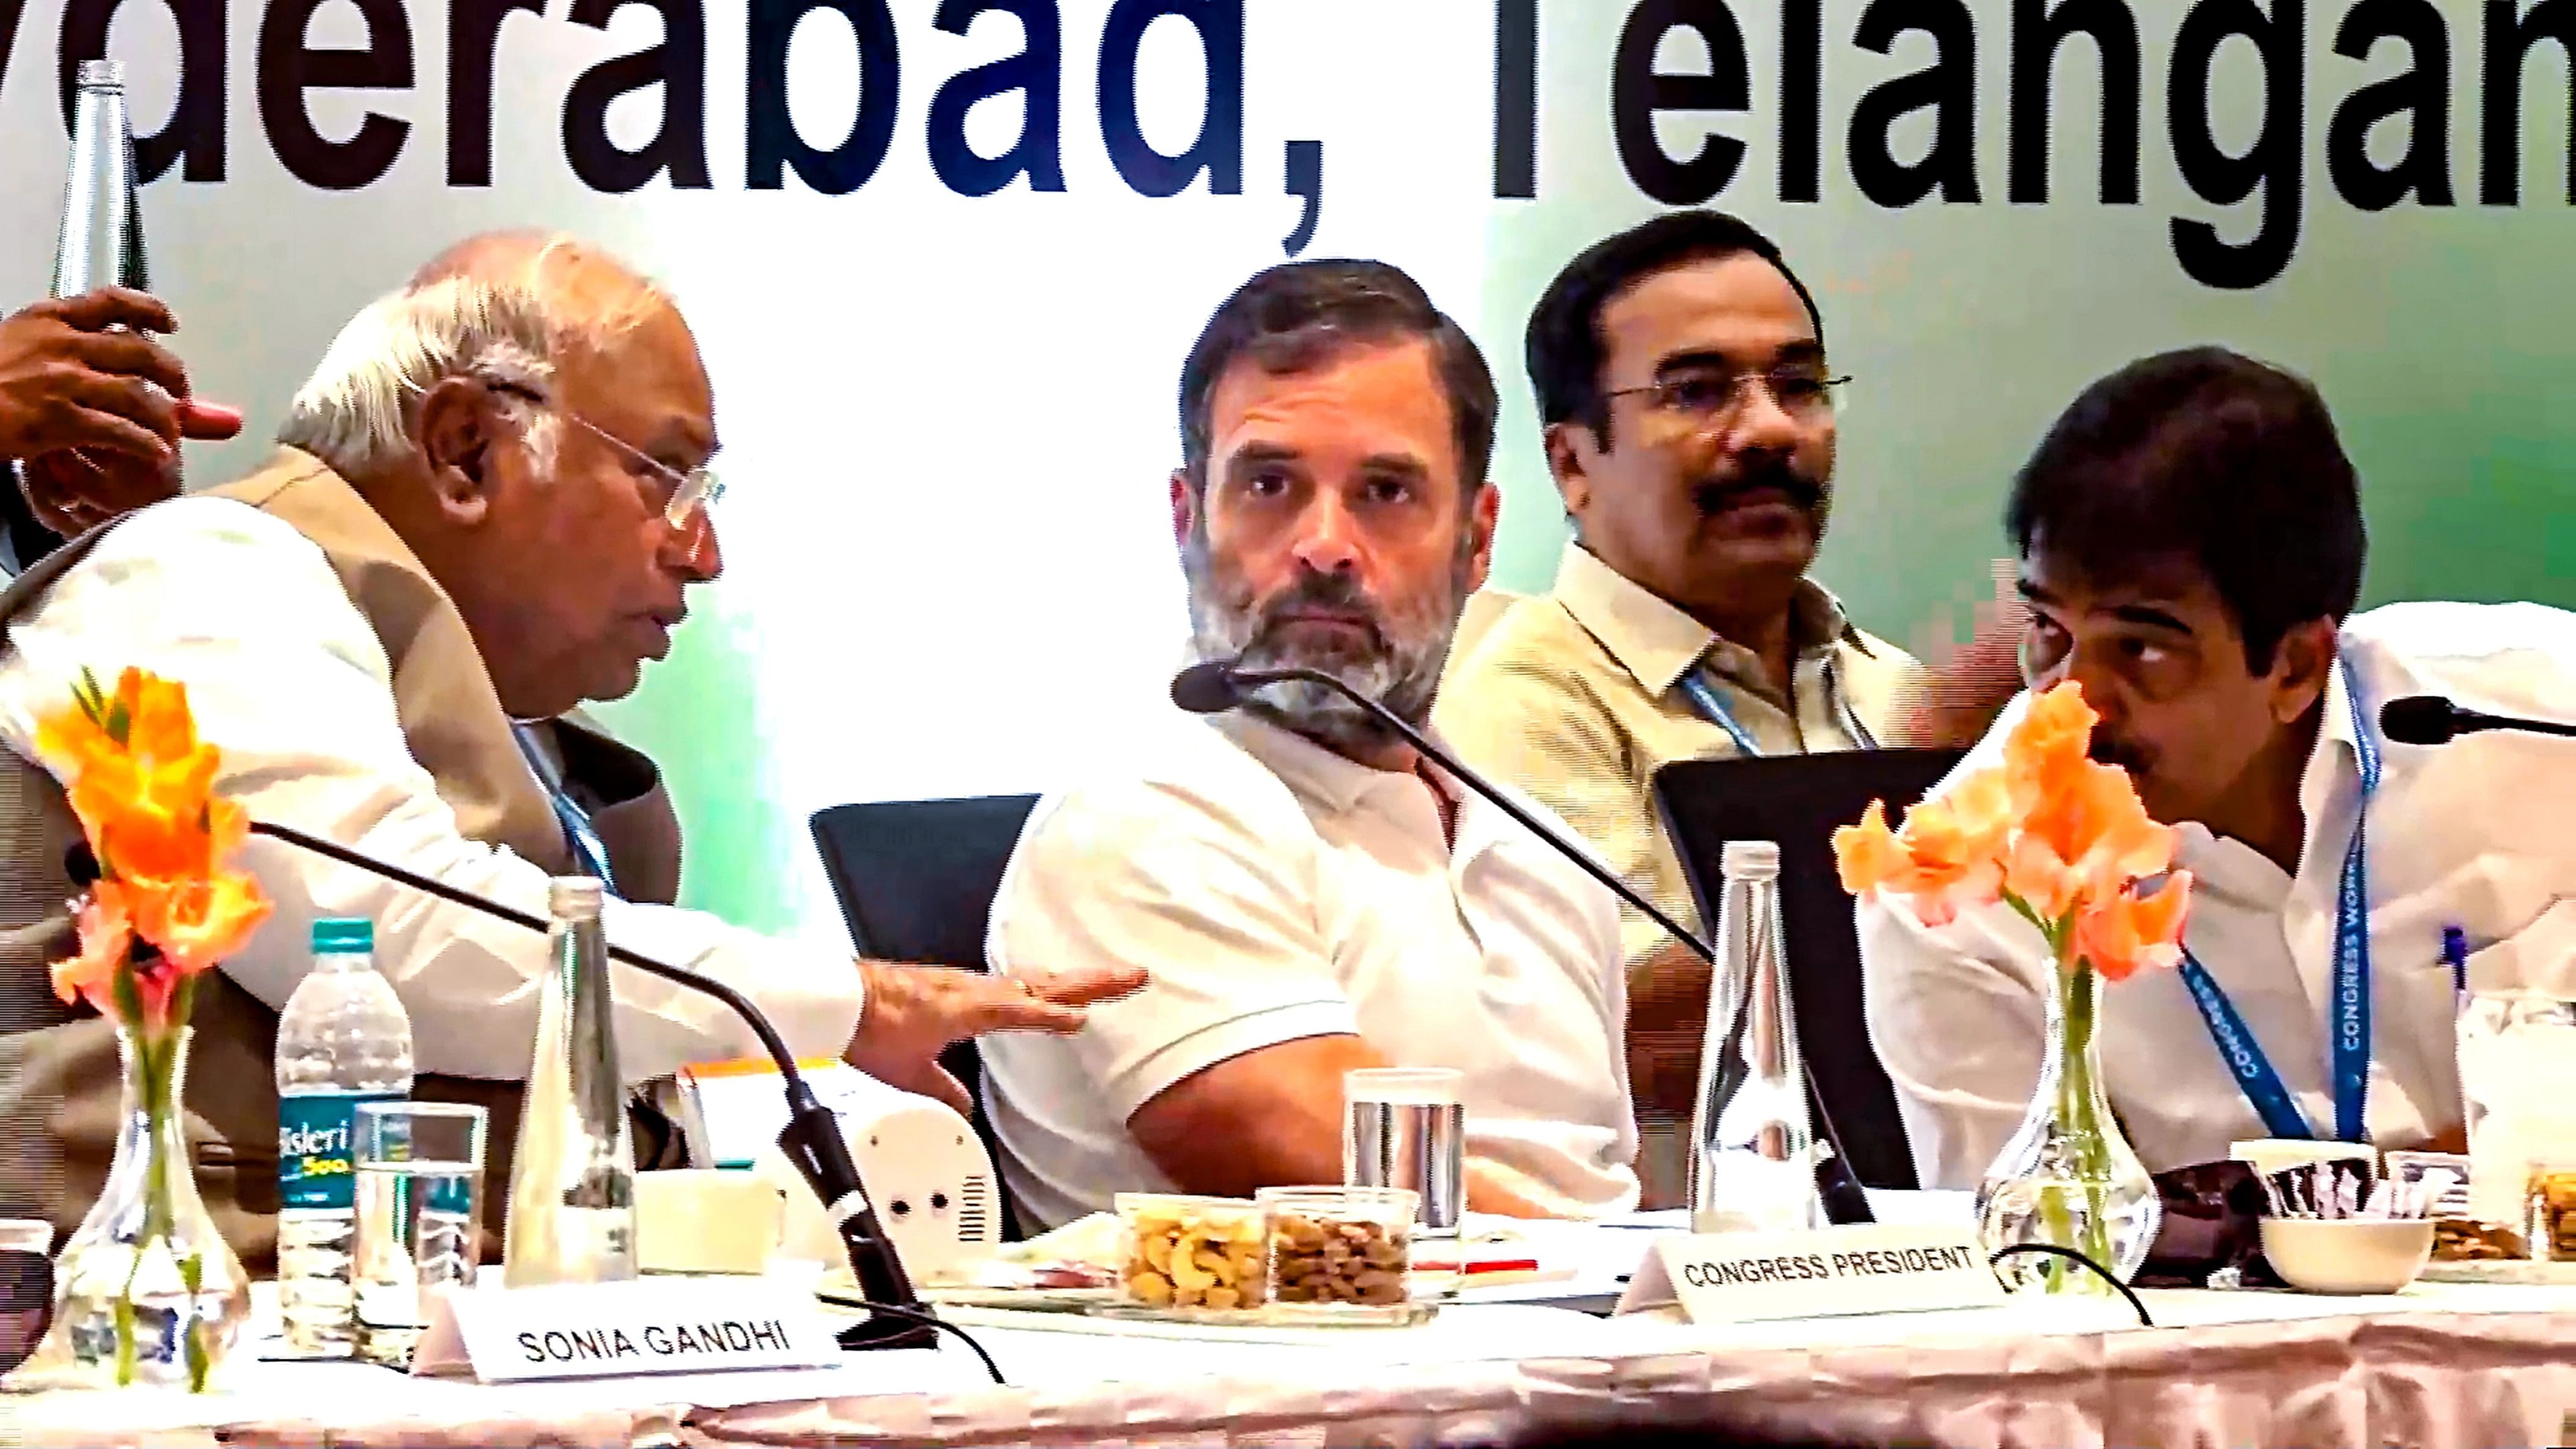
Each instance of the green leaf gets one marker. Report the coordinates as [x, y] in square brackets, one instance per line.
[118, 722]
[129, 999]
[192, 1274]
[125, 1336]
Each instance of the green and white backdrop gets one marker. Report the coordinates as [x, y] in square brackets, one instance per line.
[944, 257]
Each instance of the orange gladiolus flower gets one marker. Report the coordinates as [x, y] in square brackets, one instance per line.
[2095, 825]
[1867, 855]
[2048, 744]
[1946, 857]
[1955, 840]
[2123, 932]
[199, 921]
[2064, 839]
[142, 784]
[105, 935]
[2037, 878]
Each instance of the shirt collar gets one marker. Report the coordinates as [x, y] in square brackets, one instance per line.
[1658, 643]
[2334, 763]
[1313, 772]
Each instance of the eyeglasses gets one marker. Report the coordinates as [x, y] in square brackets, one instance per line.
[1714, 398]
[689, 494]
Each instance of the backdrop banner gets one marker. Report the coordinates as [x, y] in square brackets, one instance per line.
[944, 259]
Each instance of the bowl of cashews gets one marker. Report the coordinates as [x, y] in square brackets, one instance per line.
[1184, 1253]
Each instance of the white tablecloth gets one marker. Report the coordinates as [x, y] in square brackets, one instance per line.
[2438, 1367]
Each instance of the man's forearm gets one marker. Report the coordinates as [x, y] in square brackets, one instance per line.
[1667, 1017]
[1268, 1118]
[1489, 1192]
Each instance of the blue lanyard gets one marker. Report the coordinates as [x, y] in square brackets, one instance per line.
[2347, 1011]
[1712, 707]
[589, 854]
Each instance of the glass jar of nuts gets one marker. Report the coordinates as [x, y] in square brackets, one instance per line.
[1202, 1253]
[2459, 1235]
[2552, 1197]
[1341, 1250]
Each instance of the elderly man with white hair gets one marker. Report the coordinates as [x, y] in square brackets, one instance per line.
[489, 506]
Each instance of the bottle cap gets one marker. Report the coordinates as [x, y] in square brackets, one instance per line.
[1751, 860]
[101, 75]
[343, 936]
[574, 896]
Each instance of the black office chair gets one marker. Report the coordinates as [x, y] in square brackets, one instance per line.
[916, 880]
[1798, 800]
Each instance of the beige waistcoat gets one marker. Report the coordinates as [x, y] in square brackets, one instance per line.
[59, 1080]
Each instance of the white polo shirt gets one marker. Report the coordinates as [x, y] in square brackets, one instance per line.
[2475, 833]
[1277, 891]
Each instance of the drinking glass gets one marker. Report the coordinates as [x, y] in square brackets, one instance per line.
[1405, 1127]
[2518, 1091]
[420, 1199]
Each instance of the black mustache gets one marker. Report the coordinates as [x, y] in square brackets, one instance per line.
[2114, 752]
[1806, 493]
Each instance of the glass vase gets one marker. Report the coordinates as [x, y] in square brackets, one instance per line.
[146, 1291]
[2068, 1178]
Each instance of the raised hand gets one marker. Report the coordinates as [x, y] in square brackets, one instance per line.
[94, 409]
[913, 1013]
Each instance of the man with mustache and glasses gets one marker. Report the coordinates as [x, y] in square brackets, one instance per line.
[2191, 547]
[1681, 375]
[1307, 894]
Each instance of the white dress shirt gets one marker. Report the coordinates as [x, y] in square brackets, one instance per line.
[2475, 833]
[287, 679]
[1276, 891]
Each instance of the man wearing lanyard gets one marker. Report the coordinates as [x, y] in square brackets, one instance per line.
[1681, 375]
[2192, 544]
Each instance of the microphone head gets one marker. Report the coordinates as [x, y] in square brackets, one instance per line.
[1207, 687]
[2419, 719]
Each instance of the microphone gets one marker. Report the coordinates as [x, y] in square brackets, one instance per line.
[812, 1139]
[2429, 719]
[1216, 685]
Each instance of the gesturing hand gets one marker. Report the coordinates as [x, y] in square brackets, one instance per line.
[94, 408]
[915, 1012]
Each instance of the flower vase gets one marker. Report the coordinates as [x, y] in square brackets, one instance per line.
[147, 1291]
[2068, 1178]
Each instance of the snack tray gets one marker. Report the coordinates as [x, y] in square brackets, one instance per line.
[2499, 1270]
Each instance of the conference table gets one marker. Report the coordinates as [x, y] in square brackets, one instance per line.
[2439, 1365]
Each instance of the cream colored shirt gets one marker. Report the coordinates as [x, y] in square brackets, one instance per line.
[2475, 833]
[1277, 891]
[1576, 697]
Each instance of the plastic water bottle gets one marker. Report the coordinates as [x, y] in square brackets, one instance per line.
[342, 1040]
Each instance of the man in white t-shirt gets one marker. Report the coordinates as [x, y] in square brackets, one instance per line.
[1308, 893]
[2191, 542]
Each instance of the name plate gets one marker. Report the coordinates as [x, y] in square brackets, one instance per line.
[1826, 1273]
[613, 1330]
